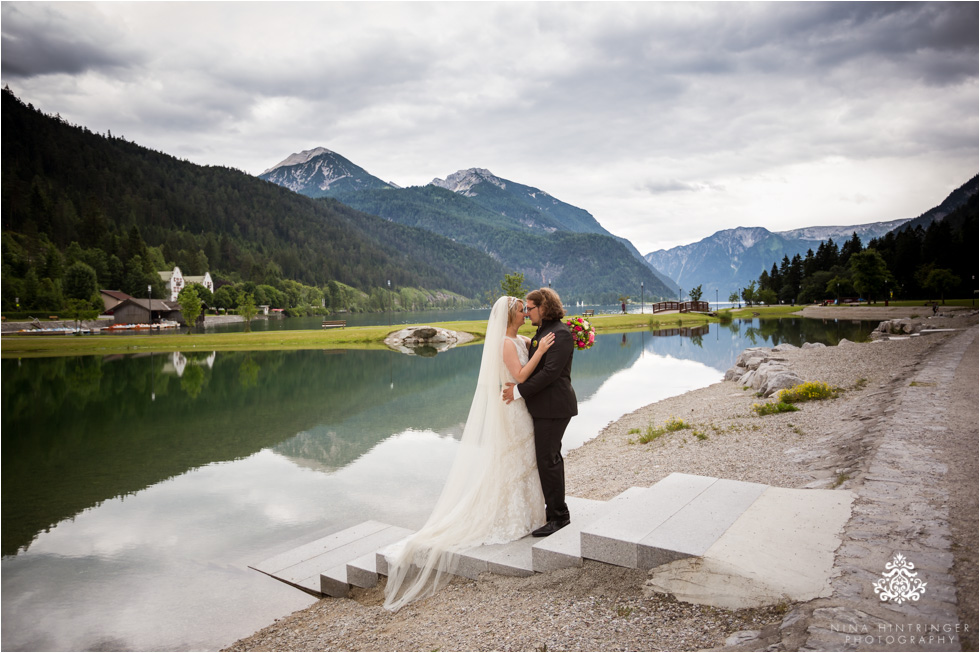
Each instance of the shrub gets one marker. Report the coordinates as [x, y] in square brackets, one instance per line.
[809, 391]
[651, 434]
[771, 408]
[673, 424]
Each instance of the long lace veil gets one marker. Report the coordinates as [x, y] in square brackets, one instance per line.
[462, 518]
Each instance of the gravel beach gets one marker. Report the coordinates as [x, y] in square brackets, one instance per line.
[604, 608]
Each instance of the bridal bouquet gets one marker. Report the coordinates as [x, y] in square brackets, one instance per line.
[582, 331]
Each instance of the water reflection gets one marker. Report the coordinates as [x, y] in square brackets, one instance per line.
[137, 489]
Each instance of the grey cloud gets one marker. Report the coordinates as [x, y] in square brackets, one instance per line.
[661, 186]
[39, 39]
[797, 38]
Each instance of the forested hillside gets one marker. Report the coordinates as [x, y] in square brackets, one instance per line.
[907, 263]
[128, 210]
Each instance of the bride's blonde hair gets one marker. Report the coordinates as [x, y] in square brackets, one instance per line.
[515, 305]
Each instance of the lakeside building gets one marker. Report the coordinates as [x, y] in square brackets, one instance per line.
[134, 310]
[176, 281]
[112, 299]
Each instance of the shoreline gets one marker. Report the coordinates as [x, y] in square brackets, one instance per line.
[598, 607]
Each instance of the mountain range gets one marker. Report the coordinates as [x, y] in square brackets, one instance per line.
[730, 259]
[63, 184]
[525, 228]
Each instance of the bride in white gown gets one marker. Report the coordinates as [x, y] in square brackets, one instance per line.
[493, 493]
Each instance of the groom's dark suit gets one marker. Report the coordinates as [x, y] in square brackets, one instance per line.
[551, 401]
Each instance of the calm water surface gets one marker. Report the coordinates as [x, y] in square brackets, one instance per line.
[137, 489]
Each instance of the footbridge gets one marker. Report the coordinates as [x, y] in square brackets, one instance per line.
[681, 307]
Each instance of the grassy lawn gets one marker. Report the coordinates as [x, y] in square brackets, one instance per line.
[365, 337]
[767, 311]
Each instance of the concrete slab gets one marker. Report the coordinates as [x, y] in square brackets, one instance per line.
[305, 552]
[613, 539]
[320, 567]
[696, 526]
[781, 548]
[333, 581]
[363, 571]
[564, 548]
[510, 559]
[301, 566]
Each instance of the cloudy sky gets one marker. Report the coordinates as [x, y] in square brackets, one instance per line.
[667, 121]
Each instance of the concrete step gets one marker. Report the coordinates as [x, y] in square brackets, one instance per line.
[682, 516]
[699, 524]
[363, 571]
[509, 559]
[679, 517]
[320, 567]
[564, 548]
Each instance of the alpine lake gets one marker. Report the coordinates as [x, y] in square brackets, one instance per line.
[138, 488]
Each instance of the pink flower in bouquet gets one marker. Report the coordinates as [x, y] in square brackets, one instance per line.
[583, 333]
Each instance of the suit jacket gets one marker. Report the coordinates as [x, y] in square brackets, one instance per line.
[548, 391]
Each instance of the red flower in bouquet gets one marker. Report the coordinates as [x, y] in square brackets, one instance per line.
[582, 332]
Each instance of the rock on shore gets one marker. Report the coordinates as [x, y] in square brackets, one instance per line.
[425, 340]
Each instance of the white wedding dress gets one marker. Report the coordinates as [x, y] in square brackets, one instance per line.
[492, 494]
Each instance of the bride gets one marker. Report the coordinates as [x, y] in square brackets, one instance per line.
[493, 493]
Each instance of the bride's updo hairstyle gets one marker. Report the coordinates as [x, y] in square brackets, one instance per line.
[547, 299]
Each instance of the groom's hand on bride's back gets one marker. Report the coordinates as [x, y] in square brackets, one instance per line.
[508, 393]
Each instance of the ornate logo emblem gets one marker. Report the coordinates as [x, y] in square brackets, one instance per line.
[898, 582]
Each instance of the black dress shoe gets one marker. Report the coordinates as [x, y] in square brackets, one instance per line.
[551, 528]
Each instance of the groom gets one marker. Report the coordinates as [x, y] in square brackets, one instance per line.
[551, 401]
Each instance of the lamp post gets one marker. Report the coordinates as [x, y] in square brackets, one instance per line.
[149, 301]
[389, 302]
[716, 299]
[641, 298]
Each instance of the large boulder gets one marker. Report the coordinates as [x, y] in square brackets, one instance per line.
[897, 327]
[782, 380]
[425, 340]
[762, 369]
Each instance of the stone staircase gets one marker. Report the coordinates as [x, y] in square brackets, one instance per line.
[680, 517]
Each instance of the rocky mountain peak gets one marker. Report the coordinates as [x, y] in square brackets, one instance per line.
[299, 158]
[462, 181]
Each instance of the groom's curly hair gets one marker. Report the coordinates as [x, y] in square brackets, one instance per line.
[550, 303]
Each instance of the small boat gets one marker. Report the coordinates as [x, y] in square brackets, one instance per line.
[53, 331]
[165, 324]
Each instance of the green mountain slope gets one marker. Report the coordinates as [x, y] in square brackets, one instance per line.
[589, 267]
[65, 183]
